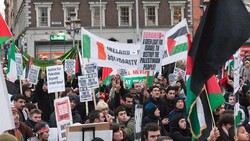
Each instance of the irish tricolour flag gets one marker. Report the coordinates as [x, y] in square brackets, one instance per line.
[5, 33]
[176, 43]
[92, 48]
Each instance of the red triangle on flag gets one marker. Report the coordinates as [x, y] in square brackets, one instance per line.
[170, 44]
[5, 31]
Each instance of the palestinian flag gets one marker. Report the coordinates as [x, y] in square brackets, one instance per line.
[106, 71]
[177, 43]
[5, 33]
[92, 48]
[200, 105]
[12, 71]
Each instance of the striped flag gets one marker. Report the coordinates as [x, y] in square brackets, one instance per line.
[12, 71]
[5, 33]
[93, 49]
[176, 43]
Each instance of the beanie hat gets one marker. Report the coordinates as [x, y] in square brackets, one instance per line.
[7, 137]
[150, 108]
[73, 97]
[176, 100]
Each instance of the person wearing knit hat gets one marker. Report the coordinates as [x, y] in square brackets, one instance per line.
[7, 137]
[153, 115]
[74, 101]
[150, 108]
[179, 104]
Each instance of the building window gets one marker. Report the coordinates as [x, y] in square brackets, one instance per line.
[177, 11]
[151, 12]
[124, 13]
[43, 14]
[70, 7]
[96, 12]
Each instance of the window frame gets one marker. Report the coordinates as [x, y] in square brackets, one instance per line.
[67, 5]
[172, 5]
[93, 5]
[146, 6]
[129, 5]
[39, 5]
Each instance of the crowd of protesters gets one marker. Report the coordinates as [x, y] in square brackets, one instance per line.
[164, 109]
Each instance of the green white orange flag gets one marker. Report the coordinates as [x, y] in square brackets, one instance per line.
[5, 33]
[107, 53]
[12, 71]
[176, 43]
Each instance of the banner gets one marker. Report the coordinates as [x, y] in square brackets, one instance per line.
[33, 74]
[63, 116]
[108, 53]
[137, 76]
[151, 50]
[55, 78]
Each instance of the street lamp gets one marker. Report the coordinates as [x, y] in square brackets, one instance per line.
[73, 26]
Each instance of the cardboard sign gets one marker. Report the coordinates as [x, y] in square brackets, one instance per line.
[33, 74]
[151, 51]
[138, 121]
[81, 132]
[70, 65]
[84, 92]
[19, 64]
[91, 73]
[63, 116]
[55, 78]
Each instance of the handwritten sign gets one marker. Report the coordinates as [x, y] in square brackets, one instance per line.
[55, 78]
[151, 51]
[33, 74]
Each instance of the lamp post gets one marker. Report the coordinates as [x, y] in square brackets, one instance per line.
[73, 26]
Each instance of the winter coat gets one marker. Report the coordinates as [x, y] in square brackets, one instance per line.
[157, 120]
[160, 104]
[30, 123]
[178, 134]
[129, 128]
[44, 101]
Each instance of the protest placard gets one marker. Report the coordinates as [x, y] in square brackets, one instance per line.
[55, 78]
[70, 66]
[19, 64]
[33, 74]
[138, 121]
[151, 51]
[84, 92]
[63, 116]
[236, 71]
[91, 73]
[123, 72]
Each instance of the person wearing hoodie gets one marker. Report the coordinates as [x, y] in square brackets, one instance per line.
[74, 100]
[179, 130]
[153, 116]
[179, 104]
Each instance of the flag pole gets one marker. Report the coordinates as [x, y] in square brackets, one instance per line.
[146, 85]
[204, 88]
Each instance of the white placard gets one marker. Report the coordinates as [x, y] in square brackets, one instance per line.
[70, 65]
[138, 121]
[63, 116]
[151, 51]
[236, 71]
[33, 74]
[84, 92]
[106, 135]
[55, 78]
[53, 134]
[19, 64]
[91, 73]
